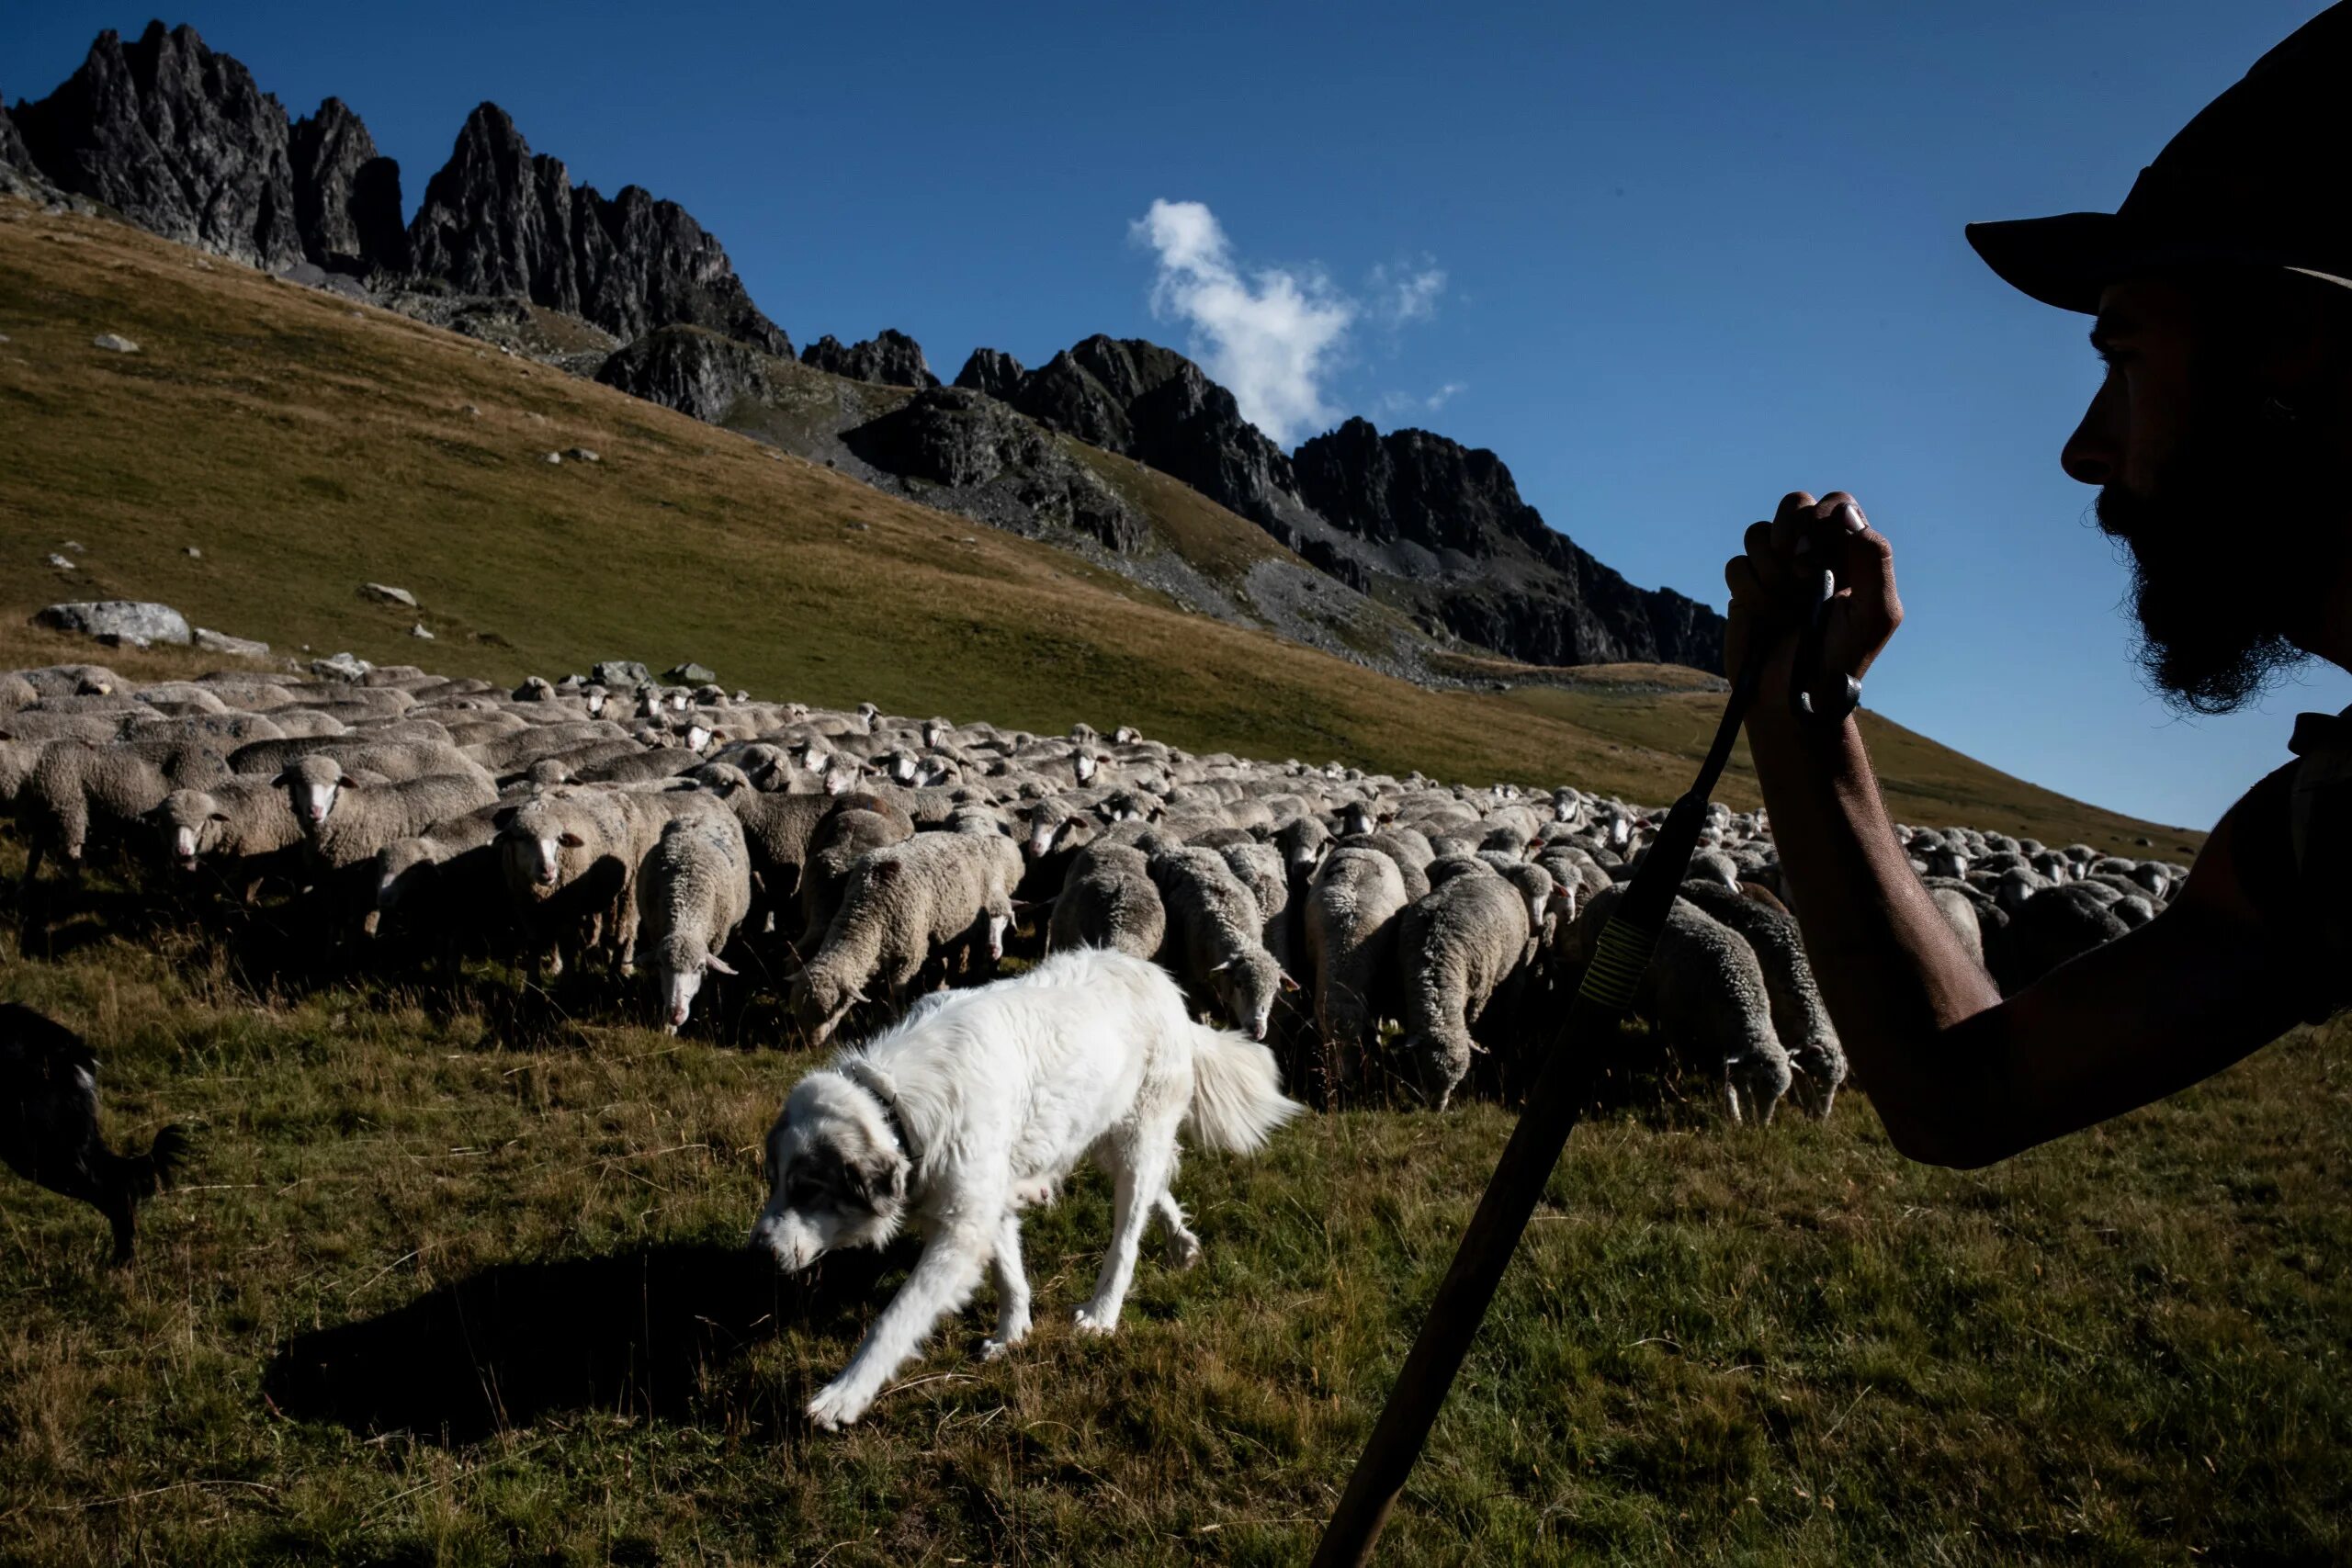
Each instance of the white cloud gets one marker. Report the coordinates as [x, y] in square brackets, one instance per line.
[1444, 395]
[1404, 295]
[1269, 336]
[1396, 405]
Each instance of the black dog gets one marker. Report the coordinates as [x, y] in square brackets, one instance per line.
[48, 1124]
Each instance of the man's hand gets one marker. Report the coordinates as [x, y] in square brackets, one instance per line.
[1773, 593]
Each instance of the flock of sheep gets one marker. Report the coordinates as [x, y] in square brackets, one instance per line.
[1391, 937]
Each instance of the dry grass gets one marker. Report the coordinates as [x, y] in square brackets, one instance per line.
[459, 1282]
[306, 446]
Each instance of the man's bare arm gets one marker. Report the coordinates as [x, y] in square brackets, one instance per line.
[1959, 1076]
[1962, 1078]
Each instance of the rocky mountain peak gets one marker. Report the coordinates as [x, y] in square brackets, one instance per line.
[889, 357]
[175, 138]
[992, 372]
[346, 198]
[498, 218]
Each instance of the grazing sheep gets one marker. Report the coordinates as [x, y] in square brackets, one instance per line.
[49, 1125]
[1215, 943]
[1259, 867]
[1352, 909]
[1705, 991]
[1455, 949]
[1108, 899]
[904, 904]
[2055, 925]
[692, 892]
[846, 834]
[1800, 1019]
[446, 885]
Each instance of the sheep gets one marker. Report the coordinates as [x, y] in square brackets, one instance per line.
[1455, 949]
[1351, 908]
[565, 860]
[692, 892]
[905, 903]
[1800, 1019]
[49, 1125]
[1108, 899]
[347, 817]
[2055, 925]
[1259, 867]
[240, 824]
[1214, 944]
[74, 790]
[447, 882]
[1705, 991]
[844, 836]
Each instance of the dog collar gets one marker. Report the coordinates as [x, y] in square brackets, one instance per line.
[876, 1082]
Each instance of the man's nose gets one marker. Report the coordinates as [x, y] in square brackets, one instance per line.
[2093, 454]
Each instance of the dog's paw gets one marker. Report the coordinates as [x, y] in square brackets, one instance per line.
[1183, 1252]
[1095, 1320]
[834, 1407]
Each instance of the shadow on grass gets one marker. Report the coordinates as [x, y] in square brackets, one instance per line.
[634, 1334]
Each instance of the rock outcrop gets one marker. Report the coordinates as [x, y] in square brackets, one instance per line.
[890, 358]
[1410, 517]
[133, 621]
[177, 139]
[19, 175]
[1449, 521]
[500, 219]
[346, 197]
[1000, 468]
[694, 371]
[991, 371]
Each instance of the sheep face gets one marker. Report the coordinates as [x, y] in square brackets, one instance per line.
[820, 1000]
[1437, 1063]
[1248, 986]
[1754, 1083]
[1046, 830]
[190, 822]
[1812, 1090]
[540, 855]
[1082, 763]
[312, 784]
[679, 968]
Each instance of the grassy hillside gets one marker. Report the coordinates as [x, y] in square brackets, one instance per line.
[305, 444]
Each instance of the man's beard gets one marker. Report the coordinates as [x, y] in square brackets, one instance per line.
[2237, 545]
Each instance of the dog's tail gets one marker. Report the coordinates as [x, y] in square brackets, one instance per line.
[140, 1177]
[1238, 1094]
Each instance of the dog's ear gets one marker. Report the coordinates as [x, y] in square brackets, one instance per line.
[880, 1178]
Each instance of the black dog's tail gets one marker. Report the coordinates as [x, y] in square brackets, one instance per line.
[145, 1174]
[130, 1179]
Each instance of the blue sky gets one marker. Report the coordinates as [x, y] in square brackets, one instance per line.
[1669, 261]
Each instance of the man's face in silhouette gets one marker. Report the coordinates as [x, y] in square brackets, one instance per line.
[2220, 486]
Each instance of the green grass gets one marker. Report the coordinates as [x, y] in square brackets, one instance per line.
[306, 446]
[1719, 1344]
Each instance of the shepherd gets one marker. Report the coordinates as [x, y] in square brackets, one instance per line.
[2220, 444]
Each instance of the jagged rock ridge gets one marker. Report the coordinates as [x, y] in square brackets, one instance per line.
[346, 197]
[890, 358]
[500, 219]
[175, 138]
[178, 138]
[1412, 518]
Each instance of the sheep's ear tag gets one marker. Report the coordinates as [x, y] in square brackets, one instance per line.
[1289, 983]
[571, 841]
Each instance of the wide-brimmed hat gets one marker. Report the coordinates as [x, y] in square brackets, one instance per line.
[2244, 184]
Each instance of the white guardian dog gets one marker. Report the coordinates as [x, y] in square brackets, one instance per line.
[976, 1107]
